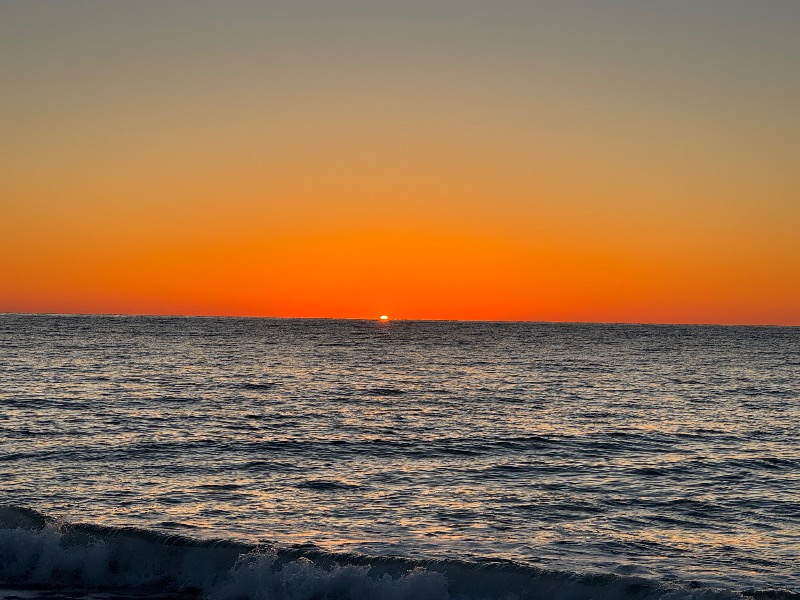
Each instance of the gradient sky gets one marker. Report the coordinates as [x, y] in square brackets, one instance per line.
[619, 160]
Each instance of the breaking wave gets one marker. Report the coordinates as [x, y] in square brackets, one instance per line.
[37, 552]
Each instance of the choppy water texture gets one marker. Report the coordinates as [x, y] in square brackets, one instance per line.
[399, 460]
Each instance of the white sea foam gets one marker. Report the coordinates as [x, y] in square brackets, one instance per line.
[38, 552]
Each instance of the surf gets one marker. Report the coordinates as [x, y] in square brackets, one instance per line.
[41, 553]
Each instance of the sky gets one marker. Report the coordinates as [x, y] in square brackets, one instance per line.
[616, 161]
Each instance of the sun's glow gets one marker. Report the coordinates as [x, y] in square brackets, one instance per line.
[384, 318]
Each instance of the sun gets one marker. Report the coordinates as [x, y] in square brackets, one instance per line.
[383, 318]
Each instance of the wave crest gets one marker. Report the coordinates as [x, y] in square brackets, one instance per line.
[39, 552]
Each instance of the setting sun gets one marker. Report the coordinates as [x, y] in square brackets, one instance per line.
[583, 217]
[542, 167]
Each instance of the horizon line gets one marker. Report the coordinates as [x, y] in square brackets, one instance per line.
[391, 319]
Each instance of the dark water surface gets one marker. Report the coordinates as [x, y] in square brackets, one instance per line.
[267, 458]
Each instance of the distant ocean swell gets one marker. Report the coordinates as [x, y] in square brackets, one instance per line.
[39, 553]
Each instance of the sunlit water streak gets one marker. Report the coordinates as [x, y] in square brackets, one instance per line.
[665, 452]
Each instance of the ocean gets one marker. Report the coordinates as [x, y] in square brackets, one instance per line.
[161, 457]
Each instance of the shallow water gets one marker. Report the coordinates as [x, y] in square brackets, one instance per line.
[664, 454]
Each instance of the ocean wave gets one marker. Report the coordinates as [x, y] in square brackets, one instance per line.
[38, 552]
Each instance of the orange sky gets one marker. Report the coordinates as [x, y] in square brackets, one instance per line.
[442, 161]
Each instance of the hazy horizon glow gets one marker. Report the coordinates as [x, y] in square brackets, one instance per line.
[549, 161]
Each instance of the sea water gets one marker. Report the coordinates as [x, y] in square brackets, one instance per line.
[299, 459]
